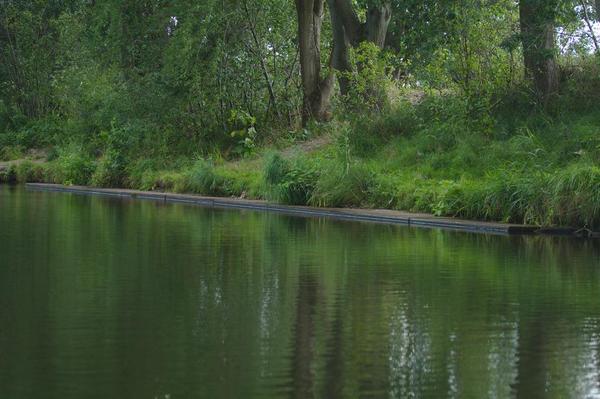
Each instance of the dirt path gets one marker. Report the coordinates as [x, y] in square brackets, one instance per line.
[307, 146]
[35, 156]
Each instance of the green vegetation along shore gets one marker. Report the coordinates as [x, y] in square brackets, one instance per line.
[450, 108]
[545, 172]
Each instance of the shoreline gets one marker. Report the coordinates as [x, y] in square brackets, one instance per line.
[358, 215]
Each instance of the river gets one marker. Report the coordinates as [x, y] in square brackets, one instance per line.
[112, 298]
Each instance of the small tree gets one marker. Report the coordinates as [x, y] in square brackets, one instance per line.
[368, 80]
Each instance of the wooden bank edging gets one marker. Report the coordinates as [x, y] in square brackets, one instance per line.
[360, 215]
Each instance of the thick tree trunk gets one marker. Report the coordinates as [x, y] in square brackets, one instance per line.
[316, 89]
[597, 10]
[537, 32]
[378, 21]
[349, 32]
[343, 41]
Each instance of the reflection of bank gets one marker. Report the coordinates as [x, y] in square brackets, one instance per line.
[340, 338]
[305, 337]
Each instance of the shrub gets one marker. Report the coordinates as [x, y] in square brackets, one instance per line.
[8, 175]
[141, 174]
[369, 79]
[73, 166]
[110, 170]
[11, 152]
[30, 172]
[367, 132]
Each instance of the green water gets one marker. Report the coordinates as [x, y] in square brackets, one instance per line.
[108, 298]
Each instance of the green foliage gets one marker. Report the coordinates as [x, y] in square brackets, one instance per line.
[370, 80]
[203, 179]
[11, 152]
[30, 172]
[8, 175]
[290, 182]
[73, 166]
[244, 132]
[364, 133]
[339, 186]
[141, 174]
[442, 121]
[28, 41]
[110, 170]
[276, 169]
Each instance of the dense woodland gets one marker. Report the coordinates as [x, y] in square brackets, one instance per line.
[485, 109]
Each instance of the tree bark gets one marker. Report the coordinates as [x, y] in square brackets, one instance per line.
[597, 4]
[378, 21]
[349, 32]
[317, 90]
[538, 37]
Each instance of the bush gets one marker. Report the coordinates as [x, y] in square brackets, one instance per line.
[365, 133]
[369, 79]
[140, 174]
[73, 166]
[29, 172]
[110, 171]
[11, 152]
[8, 175]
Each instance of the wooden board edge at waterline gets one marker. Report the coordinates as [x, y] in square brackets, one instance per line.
[360, 215]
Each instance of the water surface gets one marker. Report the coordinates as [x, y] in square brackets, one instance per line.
[109, 298]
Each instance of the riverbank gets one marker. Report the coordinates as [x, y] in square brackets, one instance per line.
[434, 157]
[359, 215]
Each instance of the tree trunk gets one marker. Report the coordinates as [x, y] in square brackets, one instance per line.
[343, 41]
[597, 10]
[378, 21]
[538, 37]
[348, 32]
[316, 89]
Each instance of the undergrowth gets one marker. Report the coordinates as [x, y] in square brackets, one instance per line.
[443, 156]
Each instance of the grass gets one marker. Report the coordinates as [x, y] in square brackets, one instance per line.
[439, 157]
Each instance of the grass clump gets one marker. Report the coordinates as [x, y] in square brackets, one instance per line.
[203, 179]
[290, 182]
[341, 186]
